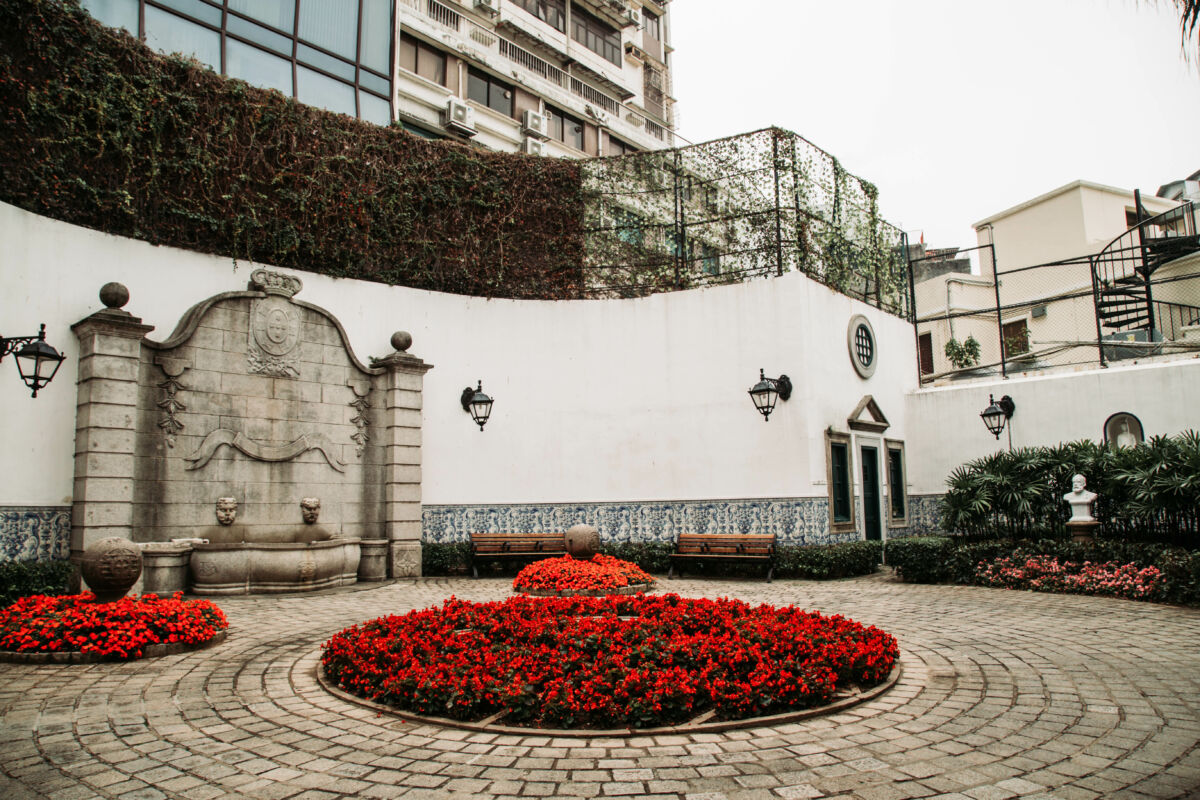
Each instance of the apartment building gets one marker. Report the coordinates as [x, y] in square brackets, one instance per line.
[570, 78]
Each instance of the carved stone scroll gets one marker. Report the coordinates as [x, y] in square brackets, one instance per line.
[361, 403]
[171, 405]
[263, 452]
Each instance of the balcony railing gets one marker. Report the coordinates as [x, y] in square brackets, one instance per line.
[488, 40]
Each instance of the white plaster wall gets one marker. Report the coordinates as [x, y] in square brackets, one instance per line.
[604, 400]
[945, 430]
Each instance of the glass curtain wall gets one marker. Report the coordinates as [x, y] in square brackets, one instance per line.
[335, 54]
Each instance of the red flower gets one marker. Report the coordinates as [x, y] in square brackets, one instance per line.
[76, 623]
[606, 661]
[569, 575]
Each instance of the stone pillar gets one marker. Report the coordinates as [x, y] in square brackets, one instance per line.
[105, 421]
[404, 380]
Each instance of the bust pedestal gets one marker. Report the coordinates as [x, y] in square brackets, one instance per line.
[1082, 530]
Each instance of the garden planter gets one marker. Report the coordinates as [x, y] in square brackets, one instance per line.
[372, 565]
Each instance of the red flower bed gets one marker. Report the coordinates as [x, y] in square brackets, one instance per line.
[606, 662]
[568, 575]
[76, 623]
[1048, 574]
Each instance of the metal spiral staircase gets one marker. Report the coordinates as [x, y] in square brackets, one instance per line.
[1123, 283]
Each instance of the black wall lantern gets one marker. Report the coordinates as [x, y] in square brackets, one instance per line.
[37, 362]
[766, 390]
[477, 404]
[997, 413]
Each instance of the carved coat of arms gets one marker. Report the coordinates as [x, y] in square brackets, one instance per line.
[274, 338]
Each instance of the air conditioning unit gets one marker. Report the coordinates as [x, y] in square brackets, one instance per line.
[598, 114]
[535, 124]
[532, 147]
[459, 117]
[632, 16]
[635, 53]
[491, 7]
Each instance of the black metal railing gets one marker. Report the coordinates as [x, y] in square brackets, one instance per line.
[1139, 296]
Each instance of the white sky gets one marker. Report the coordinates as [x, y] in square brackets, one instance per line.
[955, 109]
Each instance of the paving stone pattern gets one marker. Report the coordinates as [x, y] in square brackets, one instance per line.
[1004, 694]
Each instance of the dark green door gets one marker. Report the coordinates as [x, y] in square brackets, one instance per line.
[870, 489]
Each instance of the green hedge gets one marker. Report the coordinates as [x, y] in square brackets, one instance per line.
[941, 559]
[814, 563]
[24, 578]
[98, 130]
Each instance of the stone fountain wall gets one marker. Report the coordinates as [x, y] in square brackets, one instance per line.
[257, 396]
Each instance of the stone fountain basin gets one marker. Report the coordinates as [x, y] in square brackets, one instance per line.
[273, 567]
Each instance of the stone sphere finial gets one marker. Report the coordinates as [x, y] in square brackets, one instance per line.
[110, 567]
[583, 541]
[114, 295]
[401, 341]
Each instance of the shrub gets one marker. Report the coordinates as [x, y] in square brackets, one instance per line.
[937, 559]
[1048, 574]
[24, 578]
[445, 558]
[653, 557]
[827, 562]
[920, 559]
[1150, 492]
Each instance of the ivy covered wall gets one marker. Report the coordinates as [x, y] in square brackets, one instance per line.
[98, 130]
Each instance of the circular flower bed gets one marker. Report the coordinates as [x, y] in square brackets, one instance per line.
[119, 630]
[569, 575]
[606, 662]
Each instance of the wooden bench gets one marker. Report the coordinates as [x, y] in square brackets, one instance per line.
[736, 547]
[515, 547]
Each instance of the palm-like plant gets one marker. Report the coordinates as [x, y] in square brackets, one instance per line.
[1189, 21]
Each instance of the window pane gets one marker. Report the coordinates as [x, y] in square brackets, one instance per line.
[431, 64]
[257, 67]
[408, 53]
[500, 98]
[194, 8]
[376, 35]
[260, 35]
[650, 21]
[276, 13]
[896, 482]
[320, 90]
[330, 24]
[374, 109]
[115, 13]
[374, 83]
[172, 34]
[316, 58]
[841, 482]
[477, 88]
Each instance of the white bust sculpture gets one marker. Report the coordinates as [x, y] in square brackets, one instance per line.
[1125, 437]
[1080, 500]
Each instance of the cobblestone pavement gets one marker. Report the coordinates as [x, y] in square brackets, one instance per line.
[1004, 694]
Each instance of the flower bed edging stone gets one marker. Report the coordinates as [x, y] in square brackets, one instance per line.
[484, 726]
[76, 657]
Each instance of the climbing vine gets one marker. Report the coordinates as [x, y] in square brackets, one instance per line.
[98, 130]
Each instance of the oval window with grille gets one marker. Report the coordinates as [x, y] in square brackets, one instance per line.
[864, 352]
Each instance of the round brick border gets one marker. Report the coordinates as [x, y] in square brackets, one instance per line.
[484, 726]
[75, 657]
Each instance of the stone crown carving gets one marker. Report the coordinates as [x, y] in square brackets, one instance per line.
[264, 280]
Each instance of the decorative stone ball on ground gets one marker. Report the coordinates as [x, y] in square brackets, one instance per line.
[607, 662]
[567, 575]
[583, 541]
[111, 567]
